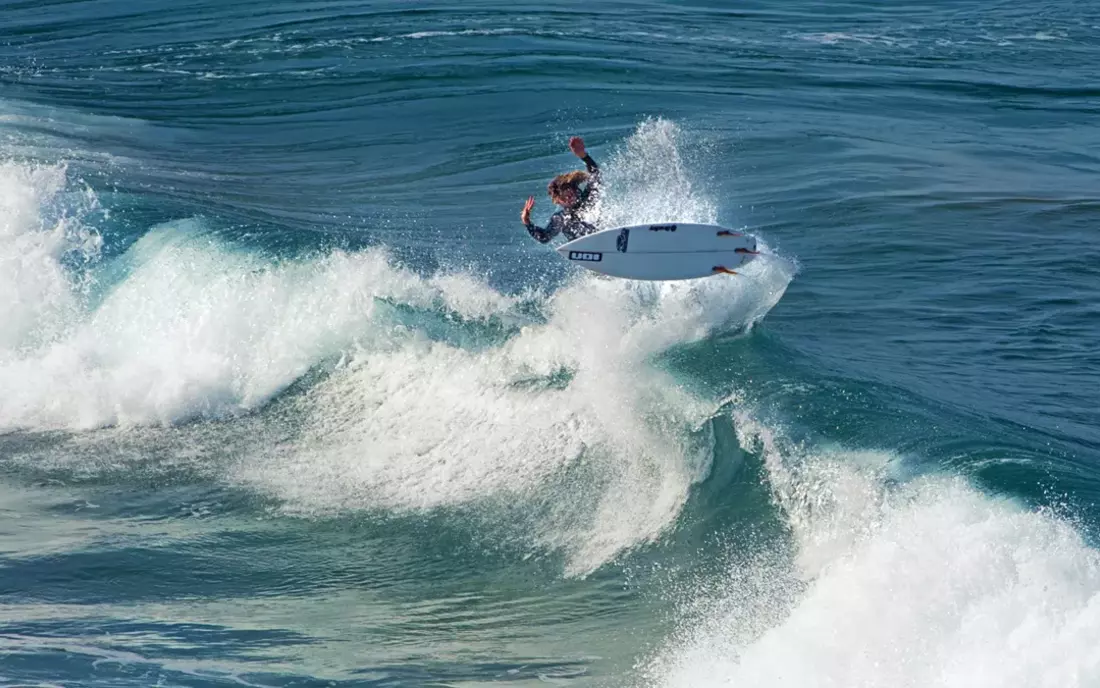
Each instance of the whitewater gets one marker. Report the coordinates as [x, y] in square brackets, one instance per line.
[288, 396]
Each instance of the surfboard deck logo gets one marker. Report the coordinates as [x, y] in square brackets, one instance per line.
[622, 240]
[589, 256]
[662, 228]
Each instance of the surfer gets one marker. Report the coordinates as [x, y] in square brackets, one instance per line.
[565, 190]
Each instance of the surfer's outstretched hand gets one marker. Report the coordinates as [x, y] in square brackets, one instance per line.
[576, 144]
[526, 214]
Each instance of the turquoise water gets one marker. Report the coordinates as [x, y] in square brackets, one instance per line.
[288, 397]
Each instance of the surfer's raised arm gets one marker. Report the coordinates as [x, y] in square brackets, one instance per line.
[565, 190]
[592, 188]
[576, 144]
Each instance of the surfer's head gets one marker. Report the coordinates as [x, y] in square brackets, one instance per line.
[565, 189]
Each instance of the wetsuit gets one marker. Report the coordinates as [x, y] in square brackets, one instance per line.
[567, 221]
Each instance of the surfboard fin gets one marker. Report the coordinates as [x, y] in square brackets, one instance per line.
[723, 270]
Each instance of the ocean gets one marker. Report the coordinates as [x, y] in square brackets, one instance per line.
[289, 397]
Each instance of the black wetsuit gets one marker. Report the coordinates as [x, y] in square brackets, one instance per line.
[567, 221]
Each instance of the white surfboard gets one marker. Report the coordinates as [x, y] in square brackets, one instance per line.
[667, 251]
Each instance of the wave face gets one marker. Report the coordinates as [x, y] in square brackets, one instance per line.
[288, 396]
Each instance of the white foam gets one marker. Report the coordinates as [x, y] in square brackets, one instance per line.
[930, 584]
[429, 425]
[39, 226]
[198, 329]
[568, 418]
[461, 32]
[419, 35]
[469, 296]
[837, 37]
[648, 180]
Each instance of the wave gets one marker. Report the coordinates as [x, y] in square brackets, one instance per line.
[568, 417]
[914, 583]
[425, 391]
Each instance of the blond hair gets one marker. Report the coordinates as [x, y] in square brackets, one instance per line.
[569, 180]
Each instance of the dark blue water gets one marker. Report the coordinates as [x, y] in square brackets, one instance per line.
[288, 397]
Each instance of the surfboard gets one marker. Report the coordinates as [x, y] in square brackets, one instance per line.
[665, 251]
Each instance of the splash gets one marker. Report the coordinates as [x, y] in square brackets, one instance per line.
[199, 330]
[543, 412]
[568, 418]
[648, 180]
[41, 229]
[929, 584]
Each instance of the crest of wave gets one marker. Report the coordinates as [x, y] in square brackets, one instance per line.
[931, 583]
[40, 228]
[191, 327]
